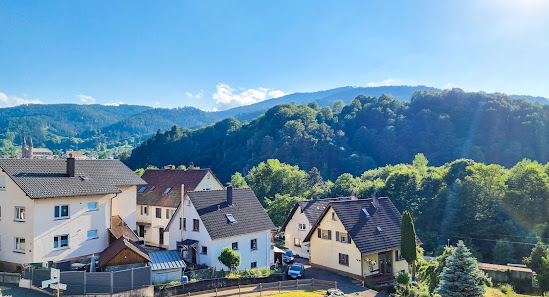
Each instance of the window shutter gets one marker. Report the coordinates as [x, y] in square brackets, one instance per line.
[319, 232]
[329, 234]
[337, 235]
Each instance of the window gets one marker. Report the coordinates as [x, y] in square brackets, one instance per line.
[302, 227]
[167, 191]
[253, 244]
[204, 250]
[235, 245]
[61, 212]
[342, 237]
[207, 188]
[169, 213]
[230, 218]
[334, 216]
[61, 241]
[20, 214]
[92, 206]
[92, 234]
[344, 259]
[184, 223]
[254, 265]
[180, 223]
[398, 256]
[208, 176]
[19, 245]
[2, 183]
[324, 234]
[142, 190]
[297, 242]
[159, 212]
[196, 225]
[144, 210]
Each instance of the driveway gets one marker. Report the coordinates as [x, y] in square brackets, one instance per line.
[19, 292]
[348, 285]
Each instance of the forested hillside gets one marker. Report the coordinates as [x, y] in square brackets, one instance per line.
[500, 213]
[367, 133]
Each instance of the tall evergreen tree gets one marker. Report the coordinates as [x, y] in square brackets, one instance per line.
[461, 276]
[408, 244]
[535, 260]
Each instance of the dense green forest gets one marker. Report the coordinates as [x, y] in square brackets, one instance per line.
[500, 213]
[367, 133]
[98, 128]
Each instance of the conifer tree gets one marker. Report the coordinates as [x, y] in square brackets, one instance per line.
[461, 276]
[408, 244]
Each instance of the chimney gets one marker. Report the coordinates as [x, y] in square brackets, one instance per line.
[70, 166]
[353, 196]
[191, 166]
[375, 201]
[229, 194]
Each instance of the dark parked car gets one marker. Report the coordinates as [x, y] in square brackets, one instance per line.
[296, 271]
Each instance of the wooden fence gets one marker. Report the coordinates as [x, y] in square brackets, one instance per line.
[273, 287]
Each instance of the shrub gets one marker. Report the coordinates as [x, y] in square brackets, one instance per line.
[403, 278]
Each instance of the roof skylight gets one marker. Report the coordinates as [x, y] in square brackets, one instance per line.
[230, 218]
[167, 190]
[366, 212]
[142, 190]
[379, 229]
[152, 188]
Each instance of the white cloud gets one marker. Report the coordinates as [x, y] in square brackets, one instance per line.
[384, 83]
[9, 101]
[226, 96]
[196, 96]
[85, 99]
[114, 103]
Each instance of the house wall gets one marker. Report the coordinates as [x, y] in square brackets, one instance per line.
[201, 235]
[325, 252]
[167, 275]
[152, 228]
[209, 183]
[262, 255]
[46, 227]
[292, 231]
[173, 230]
[123, 205]
[9, 198]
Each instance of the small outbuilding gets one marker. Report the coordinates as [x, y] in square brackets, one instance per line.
[123, 254]
[166, 266]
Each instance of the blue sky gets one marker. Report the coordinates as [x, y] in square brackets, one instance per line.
[219, 54]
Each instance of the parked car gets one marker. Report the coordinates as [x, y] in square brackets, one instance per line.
[296, 271]
[81, 264]
[288, 257]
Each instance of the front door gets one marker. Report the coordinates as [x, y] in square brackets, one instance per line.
[141, 231]
[193, 252]
[382, 266]
[161, 236]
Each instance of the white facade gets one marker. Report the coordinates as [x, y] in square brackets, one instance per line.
[40, 227]
[261, 256]
[296, 231]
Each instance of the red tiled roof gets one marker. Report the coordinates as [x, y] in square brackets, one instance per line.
[161, 179]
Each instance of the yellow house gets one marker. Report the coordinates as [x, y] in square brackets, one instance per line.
[360, 238]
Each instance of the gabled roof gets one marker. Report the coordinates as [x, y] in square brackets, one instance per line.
[118, 246]
[161, 179]
[247, 211]
[363, 230]
[119, 228]
[48, 178]
[161, 260]
[311, 208]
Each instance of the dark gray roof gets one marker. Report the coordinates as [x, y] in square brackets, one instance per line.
[47, 178]
[247, 211]
[363, 230]
[311, 208]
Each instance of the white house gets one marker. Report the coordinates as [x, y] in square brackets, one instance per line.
[52, 210]
[216, 219]
[158, 200]
[300, 221]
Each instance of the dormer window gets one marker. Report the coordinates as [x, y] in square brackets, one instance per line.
[142, 190]
[167, 191]
[230, 218]
[365, 211]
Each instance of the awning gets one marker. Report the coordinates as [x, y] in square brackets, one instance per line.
[166, 260]
[188, 243]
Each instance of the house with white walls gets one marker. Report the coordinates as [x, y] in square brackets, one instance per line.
[158, 200]
[53, 210]
[300, 220]
[216, 219]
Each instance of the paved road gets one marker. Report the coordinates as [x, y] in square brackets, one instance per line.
[344, 283]
[19, 292]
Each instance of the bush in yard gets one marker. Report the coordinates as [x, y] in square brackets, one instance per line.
[229, 258]
[403, 278]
